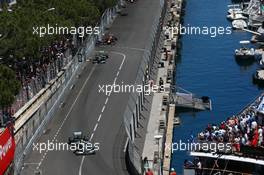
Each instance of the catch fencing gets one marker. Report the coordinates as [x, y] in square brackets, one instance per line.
[47, 72]
[136, 100]
[32, 117]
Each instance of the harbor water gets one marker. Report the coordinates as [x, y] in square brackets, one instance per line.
[207, 67]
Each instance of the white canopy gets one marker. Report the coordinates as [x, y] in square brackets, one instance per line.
[261, 106]
[228, 157]
[244, 42]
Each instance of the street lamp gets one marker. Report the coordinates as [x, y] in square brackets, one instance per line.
[157, 138]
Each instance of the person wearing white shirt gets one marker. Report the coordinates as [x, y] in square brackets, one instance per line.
[260, 140]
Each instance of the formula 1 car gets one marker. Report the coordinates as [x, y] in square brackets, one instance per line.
[100, 58]
[103, 54]
[77, 136]
[84, 148]
[80, 144]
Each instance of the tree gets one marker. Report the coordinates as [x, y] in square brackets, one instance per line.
[104, 4]
[9, 88]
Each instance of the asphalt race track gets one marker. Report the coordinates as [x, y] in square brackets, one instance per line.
[97, 115]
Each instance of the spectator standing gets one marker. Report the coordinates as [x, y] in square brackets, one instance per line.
[199, 168]
[260, 133]
[160, 83]
[173, 172]
[149, 172]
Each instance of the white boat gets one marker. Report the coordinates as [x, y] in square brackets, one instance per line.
[236, 16]
[238, 8]
[176, 121]
[235, 10]
[244, 52]
[261, 64]
[239, 24]
[234, 6]
[258, 77]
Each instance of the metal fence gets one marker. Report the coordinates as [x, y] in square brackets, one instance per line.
[31, 86]
[51, 95]
[27, 134]
[136, 100]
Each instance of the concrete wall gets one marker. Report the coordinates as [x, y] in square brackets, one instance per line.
[32, 121]
[136, 100]
[32, 118]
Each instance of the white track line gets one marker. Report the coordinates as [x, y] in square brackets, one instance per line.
[115, 80]
[99, 118]
[91, 137]
[106, 100]
[103, 108]
[95, 127]
[117, 73]
[66, 117]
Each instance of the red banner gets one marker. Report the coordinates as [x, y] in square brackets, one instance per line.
[7, 150]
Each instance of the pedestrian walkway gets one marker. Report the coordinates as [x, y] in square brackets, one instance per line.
[89, 109]
[156, 128]
[160, 125]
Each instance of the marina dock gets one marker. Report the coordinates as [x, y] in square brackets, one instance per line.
[168, 140]
[160, 125]
[155, 154]
[190, 101]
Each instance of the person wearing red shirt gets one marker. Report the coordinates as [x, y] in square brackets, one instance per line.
[149, 172]
[173, 172]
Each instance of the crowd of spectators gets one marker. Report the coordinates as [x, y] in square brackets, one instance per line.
[37, 74]
[241, 129]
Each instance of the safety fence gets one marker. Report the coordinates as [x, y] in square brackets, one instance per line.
[32, 117]
[136, 100]
[48, 71]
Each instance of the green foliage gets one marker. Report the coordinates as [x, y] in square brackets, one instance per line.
[103, 4]
[16, 27]
[17, 38]
[9, 86]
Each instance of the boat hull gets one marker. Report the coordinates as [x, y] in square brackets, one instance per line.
[244, 62]
[244, 57]
[257, 81]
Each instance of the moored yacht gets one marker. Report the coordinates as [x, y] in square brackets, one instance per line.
[235, 10]
[239, 24]
[244, 52]
[236, 16]
[258, 77]
[261, 64]
[176, 121]
[238, 9]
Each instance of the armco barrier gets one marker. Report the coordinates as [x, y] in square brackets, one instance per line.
[32, 118]
[136, 100]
